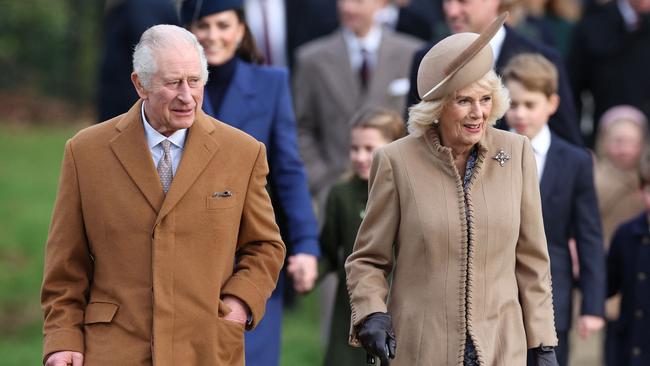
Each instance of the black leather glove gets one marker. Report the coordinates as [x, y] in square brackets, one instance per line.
[544, 356]
[377, 336]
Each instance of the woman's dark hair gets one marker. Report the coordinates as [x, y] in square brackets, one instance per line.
[248, 50]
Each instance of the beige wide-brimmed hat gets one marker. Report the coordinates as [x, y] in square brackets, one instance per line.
[457, 61]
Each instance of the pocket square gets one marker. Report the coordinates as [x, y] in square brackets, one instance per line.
[224, 194]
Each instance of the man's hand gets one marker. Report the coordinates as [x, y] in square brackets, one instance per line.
[588, 324]
[65, 358]
[303, 268]
[240, 311]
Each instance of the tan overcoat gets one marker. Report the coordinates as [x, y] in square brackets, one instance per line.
[415, 225]
[135, 277]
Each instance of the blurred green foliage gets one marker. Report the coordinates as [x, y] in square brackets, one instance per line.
[50, 47]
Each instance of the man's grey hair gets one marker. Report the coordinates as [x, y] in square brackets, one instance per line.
[157, 38]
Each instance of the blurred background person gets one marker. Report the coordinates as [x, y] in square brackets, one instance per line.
[560, 16]
[454, 216]
[609, 58]
[281, 26]
[257, 100]
[475, 16]
[569, 203]
[360, 65]
[621, 138]
[123, 24]
[400, 17]
[345, 208]
[628, 270]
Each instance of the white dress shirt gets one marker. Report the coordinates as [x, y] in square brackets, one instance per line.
[497, 43]
[630, 17]
[154, 138]
[276, 26]
[541, 143]
[370, 43]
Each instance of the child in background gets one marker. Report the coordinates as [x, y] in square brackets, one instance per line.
[628, 270]
[569, 203]
[344, 211]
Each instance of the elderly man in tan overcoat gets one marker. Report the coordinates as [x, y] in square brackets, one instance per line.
[163, 246]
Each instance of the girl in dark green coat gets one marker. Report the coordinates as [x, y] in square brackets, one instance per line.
[346, 204]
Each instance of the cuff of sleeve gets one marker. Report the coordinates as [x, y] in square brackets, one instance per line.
[63, 340]
[306, 247]
[247, 292]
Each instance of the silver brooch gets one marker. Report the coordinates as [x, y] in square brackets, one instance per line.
[501, 157]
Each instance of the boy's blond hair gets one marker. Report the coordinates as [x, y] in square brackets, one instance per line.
[534, 71]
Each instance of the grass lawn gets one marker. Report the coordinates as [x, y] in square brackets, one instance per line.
[29, 168]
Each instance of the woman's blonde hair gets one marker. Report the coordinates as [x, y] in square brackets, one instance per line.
[424, 114]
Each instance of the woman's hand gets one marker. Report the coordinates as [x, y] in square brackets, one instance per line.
[377, 336]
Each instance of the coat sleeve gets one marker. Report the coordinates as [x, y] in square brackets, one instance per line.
[68, 266]
[532, 267]
[589, 240]
[371, 261]
[615, 263]
[288, 177]
[260, 250]
[307, 117]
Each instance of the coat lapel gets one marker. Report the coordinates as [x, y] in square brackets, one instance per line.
[552, 167]
[130, 148]
[240, 97]
[199, 150]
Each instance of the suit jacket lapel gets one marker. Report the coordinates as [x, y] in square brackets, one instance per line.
[344, 81]
[199, 149]
[240, 97]
[552, 168]
[380, 77]
[507, 48]
[130, 148]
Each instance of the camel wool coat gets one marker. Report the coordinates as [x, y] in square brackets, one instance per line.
[415, 226]
[135, 277]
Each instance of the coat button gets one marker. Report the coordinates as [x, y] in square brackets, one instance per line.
[636, 351]
[638, 314]
[641, 276]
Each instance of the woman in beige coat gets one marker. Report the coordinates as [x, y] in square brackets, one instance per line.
[454, 214]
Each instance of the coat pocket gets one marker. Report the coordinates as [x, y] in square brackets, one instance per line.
[230, 339]
[100, 312]
[222, 199]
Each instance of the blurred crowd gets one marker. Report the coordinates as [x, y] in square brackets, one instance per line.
[347, 76]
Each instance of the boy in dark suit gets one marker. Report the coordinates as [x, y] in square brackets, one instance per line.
[569, 203]
[628, 268]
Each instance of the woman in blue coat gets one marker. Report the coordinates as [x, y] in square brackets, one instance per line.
[257, 100]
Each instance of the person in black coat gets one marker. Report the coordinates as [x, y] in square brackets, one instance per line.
[609, 57]
[569, 202]
[474, 16]
[629, 274]
[124, 23]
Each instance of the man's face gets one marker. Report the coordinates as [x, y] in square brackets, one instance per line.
[359, 15]
[469, 15]
[176, 90]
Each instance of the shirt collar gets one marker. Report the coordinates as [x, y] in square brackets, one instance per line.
[630, 17]
[369, 43]
[154, 137]
[542, 142]
[497, 42]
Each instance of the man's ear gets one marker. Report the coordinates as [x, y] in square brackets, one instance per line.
[142, 92]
